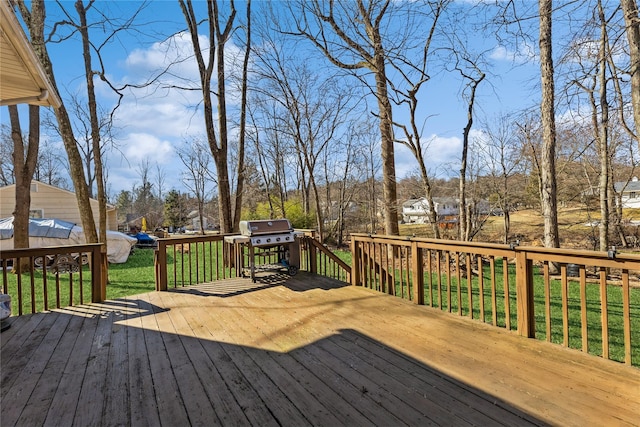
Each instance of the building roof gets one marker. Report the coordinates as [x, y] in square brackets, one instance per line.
[22, 78]
[629, 186]
[109, 206]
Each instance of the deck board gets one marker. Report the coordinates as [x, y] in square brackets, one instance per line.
[295, 351]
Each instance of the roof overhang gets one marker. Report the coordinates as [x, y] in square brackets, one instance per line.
[22, 78]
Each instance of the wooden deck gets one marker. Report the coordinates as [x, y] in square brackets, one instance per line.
[295, 351]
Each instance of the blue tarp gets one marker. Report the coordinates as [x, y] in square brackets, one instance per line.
[39, 227]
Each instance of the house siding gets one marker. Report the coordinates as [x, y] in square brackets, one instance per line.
[53, 202]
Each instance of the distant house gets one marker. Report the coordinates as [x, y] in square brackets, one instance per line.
[48, 201]
[417, 210]
[630, 193]
[194, 219]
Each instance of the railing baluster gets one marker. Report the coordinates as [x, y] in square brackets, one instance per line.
[565, 304]
[604, 312]
[626, 310]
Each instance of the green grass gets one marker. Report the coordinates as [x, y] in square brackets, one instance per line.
[136, 276]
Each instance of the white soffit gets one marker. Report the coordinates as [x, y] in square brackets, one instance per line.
[22, 78]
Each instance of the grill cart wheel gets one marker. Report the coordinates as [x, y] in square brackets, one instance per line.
[293, 270]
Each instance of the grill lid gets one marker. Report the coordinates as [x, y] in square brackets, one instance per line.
[269, 226]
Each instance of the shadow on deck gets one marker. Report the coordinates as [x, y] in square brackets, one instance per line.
[294, 351]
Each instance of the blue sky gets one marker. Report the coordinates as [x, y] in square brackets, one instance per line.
[152, 124]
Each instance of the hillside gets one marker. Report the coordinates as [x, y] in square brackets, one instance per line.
[527, 227]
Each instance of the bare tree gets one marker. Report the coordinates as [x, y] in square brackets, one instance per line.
[219, 34]
[24, 165]
[241, 166]
[547, 113]
[197, 163]
[6, 159]
[161, 177]
[351, 36]
[632, 21]
[34, 19]
[474, 76]
[501, 158]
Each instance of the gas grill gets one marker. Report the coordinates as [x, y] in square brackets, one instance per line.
[266, 245]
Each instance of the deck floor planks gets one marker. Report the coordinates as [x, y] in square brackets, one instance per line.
[303, 349]
[171, 408]
[314, 398]
[35, 366]
[270, 397]
[222, 399]
[51, 381]
[142, 394]
[436, 343]
[370, 405]
[558, 403]
[421, 403]
[228, 411]
[188, 358]
[452, 396]
[17, 348]
[92, 393]
[65, 400]
[116, 397]
[286, 373]
[245, 395]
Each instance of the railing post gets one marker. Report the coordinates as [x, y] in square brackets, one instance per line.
[313, 258]
[98, 285]
[418, 274]
[524, 295]
[160, 260]
[355, 262]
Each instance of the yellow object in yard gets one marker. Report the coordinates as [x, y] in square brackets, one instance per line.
[144, 224]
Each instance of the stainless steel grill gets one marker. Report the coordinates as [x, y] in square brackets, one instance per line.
[266, 245]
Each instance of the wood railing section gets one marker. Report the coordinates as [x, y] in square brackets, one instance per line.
[579, 299]
[41, 279]
[191, 260]
[318, 259]
[198, 259]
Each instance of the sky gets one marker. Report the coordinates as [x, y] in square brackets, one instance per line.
[153, 123]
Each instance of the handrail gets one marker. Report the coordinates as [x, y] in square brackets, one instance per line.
[47, 269]
[321, 260]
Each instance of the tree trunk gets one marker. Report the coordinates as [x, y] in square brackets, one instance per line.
[388, 154]
[35, 19]
[547, 109]
[95, 126]
[603, 137]
[632, 24]
[243, 126]
[24, 165]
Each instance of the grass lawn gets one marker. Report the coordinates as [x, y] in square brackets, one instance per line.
[136, 276]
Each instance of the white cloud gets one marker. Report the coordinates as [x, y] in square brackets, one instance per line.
[525, 53]
[440, 153]
[140, 146]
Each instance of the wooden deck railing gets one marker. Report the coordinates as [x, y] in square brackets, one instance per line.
[40, 279]
[197, 259]
[191, 260]
[318, 259]
[579, 299]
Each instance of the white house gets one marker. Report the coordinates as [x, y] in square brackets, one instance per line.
[417, 210]
[630, 192]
